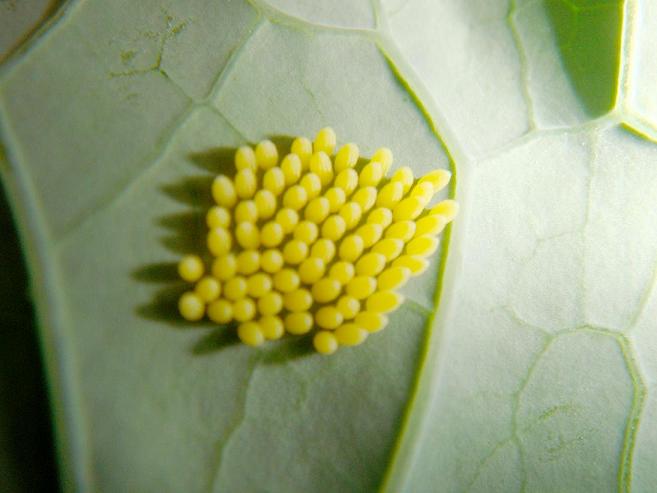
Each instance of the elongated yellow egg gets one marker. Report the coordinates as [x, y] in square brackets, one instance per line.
[325, 141]
[272, 234]
[347, 157]
[325, 342]
[298, 323]
[292, 169]
[223, 191]
[250, 334]
[219, 241]
[191, 306]
[274, 180]
[272, 327]
[324, 249]
[302, 147]
[245, 158]
[266, 154]
[350, 334]
[224, 267]
[220, 311]
[246, 183]
[190, 268]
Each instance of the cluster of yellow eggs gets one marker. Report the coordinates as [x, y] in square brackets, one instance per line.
[313, 241]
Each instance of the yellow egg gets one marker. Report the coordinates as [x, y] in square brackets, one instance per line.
[219, 241]
[334, 227]
[248, 261]
[265, 202]
[371, 174]
[286, 280]
[317, 209]
[390, 248]
[247, 235]
[246, 212]
[390, 195]
[217, 217]
[447, 208]
[328, 317]
[348, 306]
[381, 216]
[342, 271]
[191, 307]
[288, 219]
[312, 184]
[351, 212]
[190, 268]
[370, 233]
[325, 342]
[258, 285]
[320, 164]
[325, 141]
[423, 191]
[422, 246]
[384, 156]
[365, 197]
[266, 154]
[223, 191]
[245, 183]
[306, 231]
[272, 327]
[408, 209]
[274, 180]
[402, 230]
[235, 288]
[220, 311]
[351, 247]
[371, 321]
[383, 301]
[224, 267]
[298, 323]
[417, 265]
[291, 167]
[299, 300]
[295, 197]
[431, 225]
[360, 287]
[347, 157]
[271, 261]
[326, 289]
[311, 270]
[347, 180]
[270, 303]
[303, 148]
[393, 278]
[272, 234]
[244, 309]
[404, 175]
[350, 335]
[245, 158]
[336, 198]
[295, 252]
[324, 249]
[438, 179]
[250, 334]
[370, 264]
[208, 289]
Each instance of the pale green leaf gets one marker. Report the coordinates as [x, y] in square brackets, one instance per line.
[535, 368]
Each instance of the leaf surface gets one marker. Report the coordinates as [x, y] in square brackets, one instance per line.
[534, 370]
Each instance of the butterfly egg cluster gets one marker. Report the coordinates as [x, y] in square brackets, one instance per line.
[313, 242]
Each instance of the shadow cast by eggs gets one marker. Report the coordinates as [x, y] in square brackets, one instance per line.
[288, 350]
[186, 232]
[222, 337]
[218, 160]
[194, 191]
